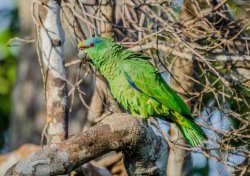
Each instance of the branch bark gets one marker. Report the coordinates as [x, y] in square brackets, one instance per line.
[51, 41]
[145, 153]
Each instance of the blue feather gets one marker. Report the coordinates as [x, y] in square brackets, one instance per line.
[94, 40]
[131, 82]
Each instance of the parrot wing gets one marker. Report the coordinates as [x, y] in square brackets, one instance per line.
[143, 77]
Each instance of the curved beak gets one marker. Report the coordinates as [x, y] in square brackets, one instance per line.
[82, 55]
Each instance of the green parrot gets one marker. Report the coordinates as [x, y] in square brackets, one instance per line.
[138, 86]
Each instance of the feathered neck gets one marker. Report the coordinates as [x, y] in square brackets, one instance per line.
[106, 54]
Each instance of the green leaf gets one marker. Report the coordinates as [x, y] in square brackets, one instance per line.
[4, 86]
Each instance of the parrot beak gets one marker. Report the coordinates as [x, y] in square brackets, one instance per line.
[81, 53]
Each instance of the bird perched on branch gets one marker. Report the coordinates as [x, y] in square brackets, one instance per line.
[139, 87]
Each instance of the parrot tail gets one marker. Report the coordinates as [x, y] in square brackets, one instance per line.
[193, 133]
[195, 136]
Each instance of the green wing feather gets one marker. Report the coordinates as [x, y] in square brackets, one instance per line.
[149, 81]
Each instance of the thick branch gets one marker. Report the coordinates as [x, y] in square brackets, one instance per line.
[145, 153]
[51, 43]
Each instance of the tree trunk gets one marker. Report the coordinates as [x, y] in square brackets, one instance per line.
[51, 39]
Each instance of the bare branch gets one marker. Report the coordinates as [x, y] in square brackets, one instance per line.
[185, 55]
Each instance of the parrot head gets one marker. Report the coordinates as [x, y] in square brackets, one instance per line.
[94, 48]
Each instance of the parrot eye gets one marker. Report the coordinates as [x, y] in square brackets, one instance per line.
[91, 44]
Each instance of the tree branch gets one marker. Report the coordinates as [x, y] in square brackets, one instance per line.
[145, 153]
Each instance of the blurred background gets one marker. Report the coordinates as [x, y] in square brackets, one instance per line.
[218, 30]
[9, 27]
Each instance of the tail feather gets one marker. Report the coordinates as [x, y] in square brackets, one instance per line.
[193, 133]
[194, 136]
